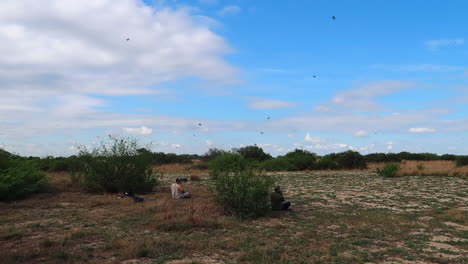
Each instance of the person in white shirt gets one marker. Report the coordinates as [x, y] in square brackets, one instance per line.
[177, 190]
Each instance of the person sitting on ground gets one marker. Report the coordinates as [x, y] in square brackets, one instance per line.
[277, 200]
[178, 191]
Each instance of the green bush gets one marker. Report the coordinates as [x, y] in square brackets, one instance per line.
[350, 160]
[20, 180]
[239, 188]
[326, 163]
[461, 161]
[389, 170]
[229, 162]
[301, 159]
[278, 164]
[117, 166]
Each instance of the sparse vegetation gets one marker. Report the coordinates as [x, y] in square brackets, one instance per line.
[389, 170]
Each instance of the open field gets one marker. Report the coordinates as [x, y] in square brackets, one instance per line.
[337, 217]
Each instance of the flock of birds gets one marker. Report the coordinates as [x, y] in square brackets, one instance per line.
[268, 118]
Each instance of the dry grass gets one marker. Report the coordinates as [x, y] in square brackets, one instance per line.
[426, 168]
[337, 217]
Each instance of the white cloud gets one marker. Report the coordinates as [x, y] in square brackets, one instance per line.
[438, 43]
[421, 130]
[139, 131]
[312, 139]
[269, 104]
[229, 10]
[361, 133]
[361, 98]
[54, 48]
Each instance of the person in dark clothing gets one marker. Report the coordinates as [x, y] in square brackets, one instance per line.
[277, 200]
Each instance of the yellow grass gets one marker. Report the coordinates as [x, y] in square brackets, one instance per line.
[425, 168]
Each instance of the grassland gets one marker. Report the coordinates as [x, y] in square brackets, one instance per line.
[337, 217]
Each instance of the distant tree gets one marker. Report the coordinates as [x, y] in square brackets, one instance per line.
[253, 152]
[213, 153]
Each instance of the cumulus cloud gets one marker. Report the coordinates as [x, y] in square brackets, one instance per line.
[143, 130]
[229, 10]
[421, 130]
[260, 103]
[438, 43]
[53, 48]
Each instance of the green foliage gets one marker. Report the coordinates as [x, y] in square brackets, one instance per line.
[350, 160]
[239, 188]
[461, 161]
[229, 162]
[20, 180]
[117, 166]
[326, 163]
[253, 153]
[301, 159]
[213, 153]
[278, 164]
[389, 170]
[420, 166]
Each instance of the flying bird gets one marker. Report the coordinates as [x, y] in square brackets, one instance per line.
[199, 124]
[333, 17]
[128, 39]
[315, 76]
[268, 118]
[261, 132]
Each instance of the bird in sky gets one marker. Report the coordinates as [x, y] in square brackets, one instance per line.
[261, 132]
[199, 124]
[268, 118]
[128, 39]
[333, 17]
[315, 76]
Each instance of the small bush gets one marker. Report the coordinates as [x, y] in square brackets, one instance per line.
[389, 170]
[420, 167]
[229, 162]
[240, 189]
[117, 166]
[20, 180]
[461, 161]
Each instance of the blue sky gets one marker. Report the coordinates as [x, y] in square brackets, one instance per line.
[390, 76]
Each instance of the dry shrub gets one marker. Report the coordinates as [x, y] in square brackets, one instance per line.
[425, 168]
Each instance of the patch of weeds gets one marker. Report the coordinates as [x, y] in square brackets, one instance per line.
[12, 235]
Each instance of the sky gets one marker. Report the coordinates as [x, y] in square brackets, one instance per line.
[186, 76]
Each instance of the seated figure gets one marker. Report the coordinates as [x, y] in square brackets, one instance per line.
[177, 190]
[277, 200]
